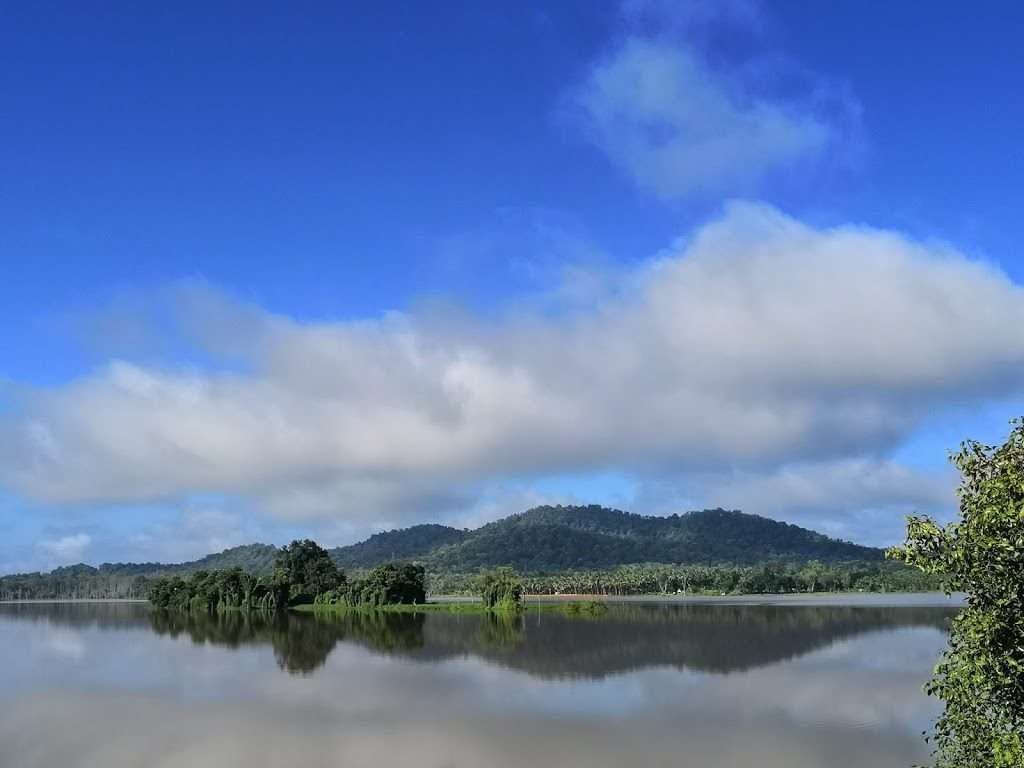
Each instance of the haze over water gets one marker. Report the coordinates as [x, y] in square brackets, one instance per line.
[115, 685]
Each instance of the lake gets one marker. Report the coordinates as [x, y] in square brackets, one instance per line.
[705, 684]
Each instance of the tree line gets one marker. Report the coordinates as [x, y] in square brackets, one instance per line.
[237, 587]
[303, 573]
[77, 582]
[657, 578]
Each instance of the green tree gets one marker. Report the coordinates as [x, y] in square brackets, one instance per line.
[981, 676]
[500, 589]
[390, 584]
[307, 570]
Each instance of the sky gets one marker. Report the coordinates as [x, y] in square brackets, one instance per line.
[269, 272]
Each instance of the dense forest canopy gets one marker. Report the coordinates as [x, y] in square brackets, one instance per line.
[660, 579]
[413, 543]
[303, 574]
[303, 570]
[548, 539]
[558, 548]
[387, 584]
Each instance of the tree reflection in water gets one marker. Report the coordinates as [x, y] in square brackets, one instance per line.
[709, 638]
[549, 644]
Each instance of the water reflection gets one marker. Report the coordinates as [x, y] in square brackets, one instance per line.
[548, 644]
[300, 647]
[699, 686]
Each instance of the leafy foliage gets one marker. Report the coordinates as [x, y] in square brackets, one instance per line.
[657, 578]
[500, 589]
[209, 591]
[302, 571]
[307, 570]
[388, 584]
[981, 676]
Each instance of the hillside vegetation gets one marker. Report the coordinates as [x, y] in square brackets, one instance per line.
[558, 538]
[543, 540]
[128, 580]
[415, 543]
[254, 558]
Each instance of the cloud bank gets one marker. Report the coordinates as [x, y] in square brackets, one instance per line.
[757, 343]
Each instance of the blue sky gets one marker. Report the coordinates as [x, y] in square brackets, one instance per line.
[270, 272]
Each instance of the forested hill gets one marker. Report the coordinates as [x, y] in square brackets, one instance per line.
[128, 580]
[255, 558]
[556, 538]
[541, 540]
[415, 543]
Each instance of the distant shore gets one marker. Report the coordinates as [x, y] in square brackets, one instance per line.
[853, 599]
[878, 599]
[75, 600]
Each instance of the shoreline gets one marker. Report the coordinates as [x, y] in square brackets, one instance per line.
[802, 599]
[443, 602]
[48, 600]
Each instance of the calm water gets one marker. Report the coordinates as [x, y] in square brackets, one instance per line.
[697, 686]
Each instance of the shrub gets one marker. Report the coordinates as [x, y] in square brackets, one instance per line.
[500, 589]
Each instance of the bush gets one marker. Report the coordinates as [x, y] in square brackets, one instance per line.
[500, 589]
[390, 584]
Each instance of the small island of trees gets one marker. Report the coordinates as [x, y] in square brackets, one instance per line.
[305, 575]
[302, 571]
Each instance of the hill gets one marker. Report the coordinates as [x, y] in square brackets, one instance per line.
[255, 558]
[126, 580]
[556, 538]
[543, 540]
[415, 543]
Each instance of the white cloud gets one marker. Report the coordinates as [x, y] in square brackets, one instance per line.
[66, 549]
[677, 128]
[757, 343]
[698, 98]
